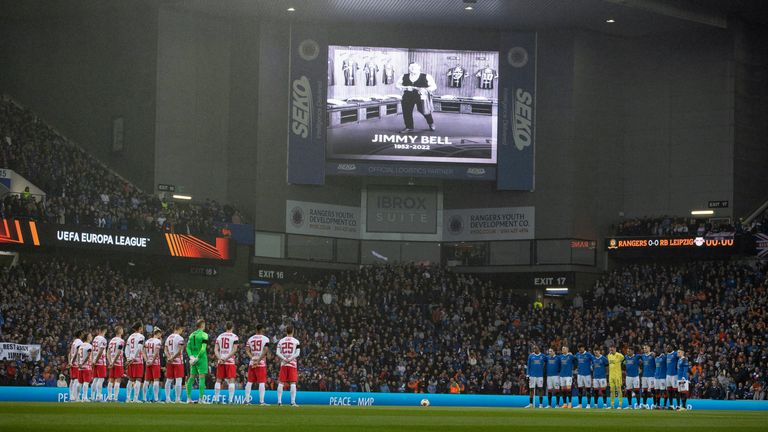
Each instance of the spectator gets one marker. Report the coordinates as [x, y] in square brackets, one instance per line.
[402, 331]
[82, 191]
[578, 302]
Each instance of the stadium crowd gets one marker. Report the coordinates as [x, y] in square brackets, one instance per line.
[679, 226]
[404, 328]
[670, 226]
[82, 191]
[759, 225]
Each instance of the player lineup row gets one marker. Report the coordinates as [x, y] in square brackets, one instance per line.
[93, 360]
[664, 376]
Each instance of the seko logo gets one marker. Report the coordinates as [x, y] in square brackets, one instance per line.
[523, 123]
[301, 115]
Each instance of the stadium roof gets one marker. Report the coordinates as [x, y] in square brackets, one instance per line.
[632, 17]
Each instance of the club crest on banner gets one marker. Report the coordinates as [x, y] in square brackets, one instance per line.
[456, 224]
[297, 217]
[309, 49]
[517, 57]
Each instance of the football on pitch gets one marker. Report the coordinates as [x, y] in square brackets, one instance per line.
[425, 402]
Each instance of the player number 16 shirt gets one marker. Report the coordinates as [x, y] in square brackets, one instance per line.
[226, 343]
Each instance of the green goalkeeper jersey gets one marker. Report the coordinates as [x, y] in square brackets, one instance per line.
[196, 346]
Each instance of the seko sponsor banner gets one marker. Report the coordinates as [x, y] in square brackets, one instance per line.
[391, 169]
[481, 224]
[517, 112]
[14, 232]
[306, 119]
[53, 394]
[409, 210]
[318, 219]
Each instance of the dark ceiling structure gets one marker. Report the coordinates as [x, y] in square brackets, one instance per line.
[631, 18]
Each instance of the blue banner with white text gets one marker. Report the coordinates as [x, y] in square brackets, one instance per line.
[517, 112]
[307, 93]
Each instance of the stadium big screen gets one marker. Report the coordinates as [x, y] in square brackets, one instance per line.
[364, 110]
[377, 113]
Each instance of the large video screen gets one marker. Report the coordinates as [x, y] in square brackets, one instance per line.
[412, 105]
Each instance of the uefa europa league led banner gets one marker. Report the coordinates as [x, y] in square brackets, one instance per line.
[30, 234]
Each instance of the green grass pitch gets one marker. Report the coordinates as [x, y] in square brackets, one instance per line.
[159, 417]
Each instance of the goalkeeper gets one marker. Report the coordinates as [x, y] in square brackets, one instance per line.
[615, 359]
[198, 360]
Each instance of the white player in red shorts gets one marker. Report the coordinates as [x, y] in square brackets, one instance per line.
[174, 363]
[288, 351]
[74, 383]
[152, 349]
[134, 358]
[84, 365]
[115, 364]
[257, 349]
[99, 360]
[225, 350]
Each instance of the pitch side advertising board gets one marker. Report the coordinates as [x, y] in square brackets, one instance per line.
[347, 399]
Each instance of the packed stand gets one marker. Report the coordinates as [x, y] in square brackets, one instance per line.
[759, 225]
[82, 191]
[670, 226]
[417, 329]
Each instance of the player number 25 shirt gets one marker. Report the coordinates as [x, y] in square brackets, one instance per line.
[286, 347]
[226, 343]
[257, 343]
[173, 344]
[133, 347]
[115, 350]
